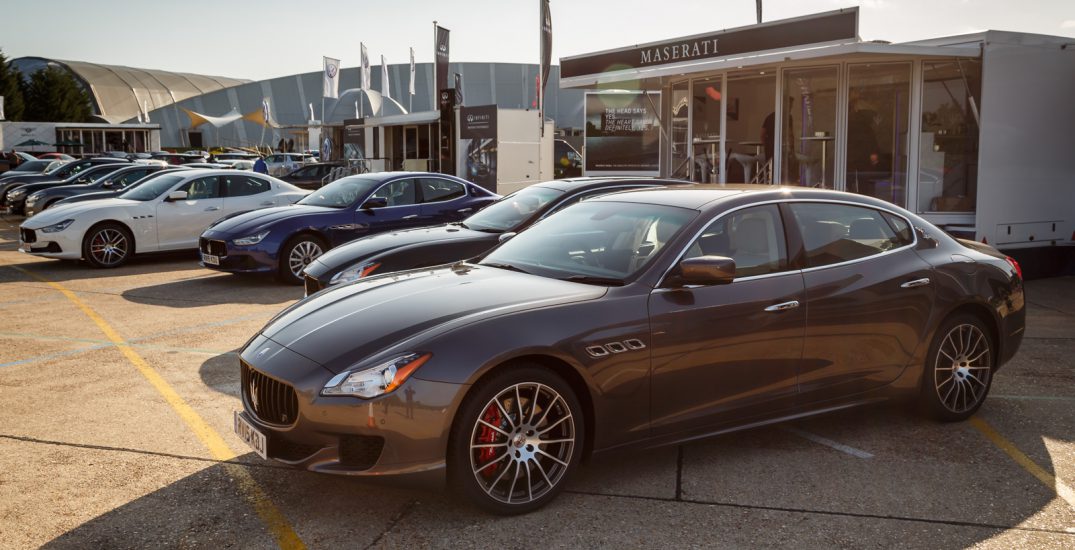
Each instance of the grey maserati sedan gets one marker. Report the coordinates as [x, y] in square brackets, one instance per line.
[631, 320]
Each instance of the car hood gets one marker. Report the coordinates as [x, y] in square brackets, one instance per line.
[61, 212]
[365, 247]
[399, 313]
[256, 220]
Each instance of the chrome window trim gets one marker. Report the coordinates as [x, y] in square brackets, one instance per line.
[697, 235]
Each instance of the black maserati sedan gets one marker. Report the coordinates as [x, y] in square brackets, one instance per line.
[441, 244]
[14, 202]
[117, 180]
[630, 320]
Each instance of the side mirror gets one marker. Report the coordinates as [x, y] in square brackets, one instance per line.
[176, 196]
[505, 237]
[82, 180]
[108, 184]
[375, 202]
[707, 270]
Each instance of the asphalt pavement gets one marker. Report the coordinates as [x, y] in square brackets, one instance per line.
[117, 389]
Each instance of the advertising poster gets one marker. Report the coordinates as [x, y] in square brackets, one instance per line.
[623, 134]
[477, 145]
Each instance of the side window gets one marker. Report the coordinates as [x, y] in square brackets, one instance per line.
[307, 172]
[129, 178]
[241, 186]
[834, 233]
[901, 227]
[398, 193]
[437, 190]
[753, 237]
[201, 188]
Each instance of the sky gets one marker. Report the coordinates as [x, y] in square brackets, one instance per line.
[270, 38]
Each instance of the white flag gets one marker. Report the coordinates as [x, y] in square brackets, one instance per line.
[145, 110]
[384, 78]
[365, 68]
[356, 110]
[1, 107]
[312, 117]
[331, 85]
[139, 117]
[265, 109]
[412, 71]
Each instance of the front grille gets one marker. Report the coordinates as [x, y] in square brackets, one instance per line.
[312, 284]
[28, 235]
[271, 400]
[216, 248]
[360, 452]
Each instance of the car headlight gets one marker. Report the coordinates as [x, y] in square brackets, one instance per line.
[354, 273]
[33, 198]
[16, 194]
[378, 380]
[250, 239]
[56, 227]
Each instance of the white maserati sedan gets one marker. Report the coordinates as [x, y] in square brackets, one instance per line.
[166, 213]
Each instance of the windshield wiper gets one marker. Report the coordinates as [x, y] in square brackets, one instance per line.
[591, 280]
[508, 267]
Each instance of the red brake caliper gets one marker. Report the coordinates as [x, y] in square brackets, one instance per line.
[488, 435]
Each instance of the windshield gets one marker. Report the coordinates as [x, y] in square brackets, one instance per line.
[152, 189]
[341, 193]
[509, 212]
[34, 165]
[599, 240]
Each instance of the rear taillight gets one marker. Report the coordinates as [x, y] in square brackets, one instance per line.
[1015, 266]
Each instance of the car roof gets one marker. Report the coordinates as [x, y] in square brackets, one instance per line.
[701, 196]
[575, 184]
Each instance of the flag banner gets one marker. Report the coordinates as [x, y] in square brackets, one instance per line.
[312, 117]
[441, 56]
[265, 109]
[365, 68]
[458, 89]
[384, 78]
[145, 110]
[546, 44]
[412, 71]
[1, 107]
[331, 84]
[357, 115]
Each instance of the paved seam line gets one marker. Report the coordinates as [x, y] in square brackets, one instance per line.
[1056, 484]
[272, 517]
[827, 442]
[393, 522]
[956, 523]
[679, 472]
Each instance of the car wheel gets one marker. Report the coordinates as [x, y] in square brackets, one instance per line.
[959, 371]
[107, 245]
[516, 440]
[296, 255]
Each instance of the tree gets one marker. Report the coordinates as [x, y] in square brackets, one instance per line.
[53, 96]
[11, 89]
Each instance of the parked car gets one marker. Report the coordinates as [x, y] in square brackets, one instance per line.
[166, 213]
[236, 155]
[93, 195]
[280, 164]
[56, 156]
[117, 181]
[311, 175]
[238, 164]
[430, 246]
[284, 240]
[629, 321]
[7, 164]
[60, 173]
[31, 167]
[14, 202]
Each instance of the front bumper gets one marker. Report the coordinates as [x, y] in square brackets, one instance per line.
[402, 433]
[236, 259]
[63, 245]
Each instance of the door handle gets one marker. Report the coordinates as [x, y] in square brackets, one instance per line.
[411, 217]
[462, 210]
[212, 209]
[916, 283]
[783, 307]
[267, 203]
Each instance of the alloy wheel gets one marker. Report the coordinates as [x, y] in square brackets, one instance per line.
[522, 443]
[963, 367]
[109, 247]
[301, 255]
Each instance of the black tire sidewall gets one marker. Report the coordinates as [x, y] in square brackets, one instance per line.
[460, 478]
[930, 401]
[88, 237]
[284, 267]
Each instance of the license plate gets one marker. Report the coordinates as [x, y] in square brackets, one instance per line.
[250, 435]
[210, 259]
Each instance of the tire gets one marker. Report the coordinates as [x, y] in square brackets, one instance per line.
[526, 475]
[959, 369]
[296, 254]
[107, 245]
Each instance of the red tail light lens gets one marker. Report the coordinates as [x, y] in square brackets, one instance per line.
[1015, 266]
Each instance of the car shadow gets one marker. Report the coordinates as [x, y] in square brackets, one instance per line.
[219, 288]
[73, 270]
[221, 373]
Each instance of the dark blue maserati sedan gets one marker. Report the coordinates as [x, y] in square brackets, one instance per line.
[285, 239]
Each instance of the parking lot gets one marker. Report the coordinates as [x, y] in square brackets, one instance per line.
[117, 389]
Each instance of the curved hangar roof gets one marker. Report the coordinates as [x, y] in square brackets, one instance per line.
[120, 93]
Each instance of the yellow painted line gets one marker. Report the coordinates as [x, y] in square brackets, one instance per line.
[1057, 485]
[274, 520]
